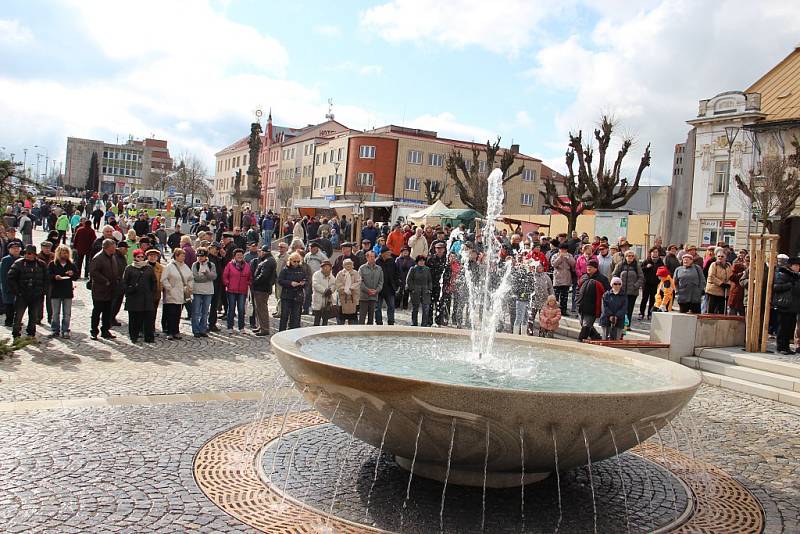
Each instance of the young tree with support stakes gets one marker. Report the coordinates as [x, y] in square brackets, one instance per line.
[773, 189]
[471, 183]
[600, 188]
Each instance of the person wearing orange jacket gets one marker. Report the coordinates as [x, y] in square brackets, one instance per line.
[396, 240]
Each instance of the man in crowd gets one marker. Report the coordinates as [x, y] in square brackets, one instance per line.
[371, 285]
[105, 278]
[27, 281]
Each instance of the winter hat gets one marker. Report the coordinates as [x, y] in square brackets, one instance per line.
[662, 272]
[593, 263]
[616, 280]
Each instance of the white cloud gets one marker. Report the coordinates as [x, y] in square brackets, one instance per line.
[502, 26]
[649, 68]
[352, 66]
[327, 30]
[13, 33]
[447, 125]
[522, 118]
[179, 82]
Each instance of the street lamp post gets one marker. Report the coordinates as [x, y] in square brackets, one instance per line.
[730, 133]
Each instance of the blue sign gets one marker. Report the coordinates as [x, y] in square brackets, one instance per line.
[171, 191]
[330, 197]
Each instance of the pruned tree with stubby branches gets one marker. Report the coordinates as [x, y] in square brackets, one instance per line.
[470, 182]
[595, 188]
[773, 189]
[434, 190]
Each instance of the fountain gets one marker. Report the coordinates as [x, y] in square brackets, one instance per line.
[478, 408]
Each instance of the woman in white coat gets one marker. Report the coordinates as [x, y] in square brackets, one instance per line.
[177, 281]
[323, 294]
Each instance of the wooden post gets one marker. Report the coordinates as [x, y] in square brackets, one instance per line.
[750, 321]
[772, 239]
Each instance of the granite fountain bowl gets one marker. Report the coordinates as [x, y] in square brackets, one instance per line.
[467, 417]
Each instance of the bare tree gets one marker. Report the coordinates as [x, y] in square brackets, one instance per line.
[773, 189]
[434, 190]
[284, 193]
[590, 188]
[471, 182]
[189, 178]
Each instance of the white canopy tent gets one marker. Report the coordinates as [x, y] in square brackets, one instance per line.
[429, 215]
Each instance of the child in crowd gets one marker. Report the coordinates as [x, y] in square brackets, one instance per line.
[615, 306]
[549, 317]
[666, 290]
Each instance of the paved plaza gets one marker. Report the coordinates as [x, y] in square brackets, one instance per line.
[100, 436]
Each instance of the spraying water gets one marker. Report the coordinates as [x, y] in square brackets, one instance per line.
[488, 284]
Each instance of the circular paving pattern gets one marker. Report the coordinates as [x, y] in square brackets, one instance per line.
[288, 485]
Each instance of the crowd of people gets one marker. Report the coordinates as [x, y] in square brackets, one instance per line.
[218, 271]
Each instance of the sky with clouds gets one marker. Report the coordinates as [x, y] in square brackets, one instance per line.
[194, 71]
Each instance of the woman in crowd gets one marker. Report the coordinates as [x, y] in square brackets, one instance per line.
[139, 281]
[521, 284]
[186, 245]
[718, 283]
[736, 295]
[650, 267]
[630, 272]
[689, 284]
[541, 289]
[348, 287]
[132, 246]
[786, 300]
[177, 282]
[204, 273]
[615, 306]
[323, 287]
[236, 279]
[418, 284]
[292, 280]
[62, 275]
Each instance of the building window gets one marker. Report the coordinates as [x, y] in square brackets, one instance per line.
[338, 179]
[366, 152]
[528, 175]
[332, 153]
[366, 178]
[415, 157]
[105, 154]
[435, 160]
[316, 160]
[330, 180]
[340, 154]
[481, 166]
[316, 183]
[711, 234]
[412, 184]
[720, 177]
[292, 156]
[244, 160]
[324, 158]
[526, 199]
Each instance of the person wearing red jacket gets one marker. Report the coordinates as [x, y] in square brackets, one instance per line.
[82, 241]
[236, 279]
[536, 254]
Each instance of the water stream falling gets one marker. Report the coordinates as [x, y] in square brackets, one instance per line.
[558, 479]
[316, 459]
[343, 464]
[260, 415]
[522, 477]
[591, 480]
[291, 456]
[411, 471]
[447, 473]
[622, 480]
[290, 407]
[377, 463]
[649, 481]
[485, 469]
[664, 463]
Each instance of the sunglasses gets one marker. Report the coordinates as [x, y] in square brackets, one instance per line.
[616, 284]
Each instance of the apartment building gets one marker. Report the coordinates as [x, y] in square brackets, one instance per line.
[135, 164]
[229, 160]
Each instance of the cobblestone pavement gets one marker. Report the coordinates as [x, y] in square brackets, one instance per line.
[128, 468]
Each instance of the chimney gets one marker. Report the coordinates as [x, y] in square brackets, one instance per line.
[515, 149]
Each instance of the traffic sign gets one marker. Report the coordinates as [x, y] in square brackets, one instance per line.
[171, 190]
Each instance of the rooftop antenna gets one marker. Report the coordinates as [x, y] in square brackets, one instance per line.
[329, 115]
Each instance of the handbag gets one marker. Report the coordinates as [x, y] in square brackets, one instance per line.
[187, 291]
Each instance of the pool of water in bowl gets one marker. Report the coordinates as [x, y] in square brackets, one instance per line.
[513, 364]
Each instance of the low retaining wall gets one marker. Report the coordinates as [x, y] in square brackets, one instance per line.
[685, 332]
